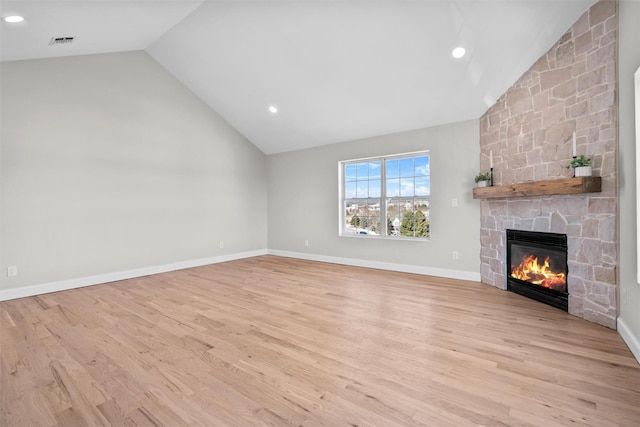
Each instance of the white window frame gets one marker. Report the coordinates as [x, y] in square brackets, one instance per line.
[383, 199]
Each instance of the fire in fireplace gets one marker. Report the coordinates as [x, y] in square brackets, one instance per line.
[537, 266]
[530, 270]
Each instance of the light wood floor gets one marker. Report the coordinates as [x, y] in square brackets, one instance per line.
[283, 342]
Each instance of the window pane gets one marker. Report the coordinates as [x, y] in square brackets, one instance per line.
[374, 170]
[363, 189]
[350, 208]
[422, 187]
[362, 170]
[406, 187]
[421, 219]
[406, 167]
[393, 187]
[407, 225]
[355, 211]
[374, 216]
[374, 188]
[393, 217]
[361, 224]
[405, 206]
[422, 165]
[350, 205]
[422, 204]
[393, 208]
[349, 190]
[350, 172]
[392, 168]
[375, 228]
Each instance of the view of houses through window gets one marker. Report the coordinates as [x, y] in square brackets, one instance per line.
[386, 196]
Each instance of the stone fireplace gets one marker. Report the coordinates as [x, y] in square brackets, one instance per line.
[529, 133]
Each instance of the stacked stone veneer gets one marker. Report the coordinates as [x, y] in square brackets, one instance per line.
[529, 131]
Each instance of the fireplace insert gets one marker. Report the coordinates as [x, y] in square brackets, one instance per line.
[537, 266]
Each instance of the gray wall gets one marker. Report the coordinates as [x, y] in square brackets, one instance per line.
[303, 200]
[629, 57]
[110, 164]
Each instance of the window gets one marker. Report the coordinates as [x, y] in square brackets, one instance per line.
[386, 196]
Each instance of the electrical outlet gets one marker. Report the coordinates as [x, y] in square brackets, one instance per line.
[221, 244]
[454, 255]
[454, 202]
[306, 243]
[12, 271]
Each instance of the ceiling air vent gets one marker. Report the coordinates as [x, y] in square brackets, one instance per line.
[60, 40]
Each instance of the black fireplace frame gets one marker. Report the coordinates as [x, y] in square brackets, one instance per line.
[556, 241]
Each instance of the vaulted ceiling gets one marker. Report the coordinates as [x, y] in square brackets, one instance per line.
[336, 70]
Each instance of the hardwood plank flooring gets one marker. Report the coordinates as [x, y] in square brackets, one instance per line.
[273, 341]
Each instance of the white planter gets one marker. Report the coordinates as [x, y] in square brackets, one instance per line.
[483, 183]
[583, 171]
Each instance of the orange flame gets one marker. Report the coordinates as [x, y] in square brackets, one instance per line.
[531, 271]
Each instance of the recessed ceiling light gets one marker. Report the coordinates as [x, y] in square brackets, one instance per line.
[273, 109]
[13, 19]
[458, 52]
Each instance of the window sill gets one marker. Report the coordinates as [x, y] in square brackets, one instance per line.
[380, 237]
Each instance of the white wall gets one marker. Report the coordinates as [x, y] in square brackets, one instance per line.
[110, 164]
[629, 61]
[303, 202]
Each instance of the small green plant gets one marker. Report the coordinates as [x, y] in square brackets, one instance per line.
[483, 176]
[579, 161]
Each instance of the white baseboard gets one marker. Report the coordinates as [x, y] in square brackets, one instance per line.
[404, 268]
[629, 338]
[80, 282]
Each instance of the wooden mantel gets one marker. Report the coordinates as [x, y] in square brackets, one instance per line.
[585, 184]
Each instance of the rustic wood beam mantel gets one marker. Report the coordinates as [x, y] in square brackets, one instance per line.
[585, 184]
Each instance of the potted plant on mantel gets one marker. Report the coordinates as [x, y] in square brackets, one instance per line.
[581, 166]
[483, 179]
